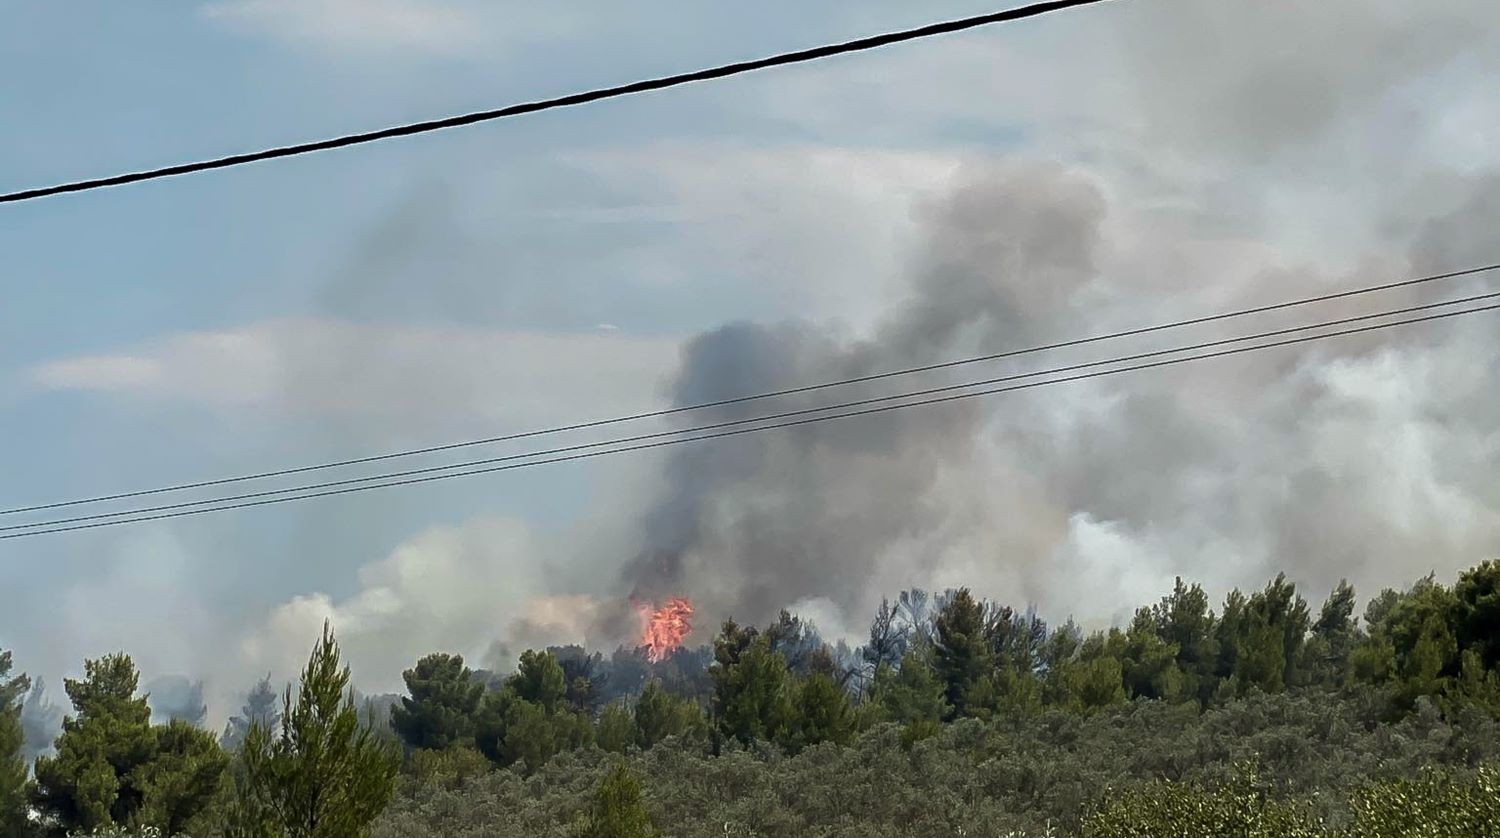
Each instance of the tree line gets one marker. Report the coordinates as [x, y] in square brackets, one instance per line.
[314, 762]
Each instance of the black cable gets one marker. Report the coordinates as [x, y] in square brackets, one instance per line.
[759, 396]
[751, 420]
[797, 57]
[739, 431]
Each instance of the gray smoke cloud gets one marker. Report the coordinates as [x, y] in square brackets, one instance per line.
[1368, 457]
[1217, 154]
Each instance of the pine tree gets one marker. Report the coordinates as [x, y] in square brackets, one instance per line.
[1150, 664]
[540, 680]
[113, 768]
[1478, 617]
[443, 703]
[821, 713]
[12, 750]
[616, 729]
[751, 686]
[262, 707]
[911, 693]
[619, 811]
[659, 714]
[323, 774]
[1183, 619]
[182, 779]
[961, 653]
[1333, 638]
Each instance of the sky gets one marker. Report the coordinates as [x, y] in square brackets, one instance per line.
[1099, 168]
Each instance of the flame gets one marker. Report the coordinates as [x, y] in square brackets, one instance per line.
[666, 627]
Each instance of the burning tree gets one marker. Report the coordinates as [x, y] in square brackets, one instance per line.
[666, 627]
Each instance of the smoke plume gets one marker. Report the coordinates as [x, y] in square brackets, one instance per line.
[1345, 459]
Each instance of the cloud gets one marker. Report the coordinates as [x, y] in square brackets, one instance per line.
[389, 377]
[423, 26]
[486, 589]
[820, 228]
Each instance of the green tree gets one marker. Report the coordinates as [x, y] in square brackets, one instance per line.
[540, 680]
[751, 686]
[489, 723]
[527, 720]
[1150, 663]
[323, 774]
[183, 778]
[911, 693]
[659, 714]
[113, 768]
[961, 653]
[1475, 686]
[1334, 635]
[584, 675]
[1261, 638]
[441, 706]
[1184, 621]
[820, 713]
[1093, 683]
[615, 732]
[1478, 612]
[1419, 632]
[531, 736]
[12, 745]
[619, 811]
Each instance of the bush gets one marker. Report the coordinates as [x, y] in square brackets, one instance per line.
[1437, 803]
[1243, 808]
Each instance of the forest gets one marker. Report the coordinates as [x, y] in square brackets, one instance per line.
[1263, 715]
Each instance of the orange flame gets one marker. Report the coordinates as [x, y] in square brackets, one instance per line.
[666, 627]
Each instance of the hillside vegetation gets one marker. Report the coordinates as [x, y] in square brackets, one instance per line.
[1264, 716]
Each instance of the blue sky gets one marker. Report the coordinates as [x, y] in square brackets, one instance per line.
[545, 268]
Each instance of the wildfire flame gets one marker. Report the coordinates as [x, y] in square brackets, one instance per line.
[666, 627]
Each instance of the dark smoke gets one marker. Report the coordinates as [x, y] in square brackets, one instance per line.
[1336, 460]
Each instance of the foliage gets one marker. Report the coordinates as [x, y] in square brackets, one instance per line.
[1477, 607]
[615, 731]
[1242, 808]
[752, 699]
[988, 778]
[961, 654]
[912, 693]
[114, 768]
[659, 714]
[451, 767]
[12, 750]
[961, 716]
[261, 707]
[1436, 803]
[323, 775]
[820, 713]
[443, 702]
[618, 810]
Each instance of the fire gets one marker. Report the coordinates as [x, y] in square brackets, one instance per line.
[666, 627]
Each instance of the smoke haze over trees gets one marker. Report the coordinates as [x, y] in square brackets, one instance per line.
[1254, 580]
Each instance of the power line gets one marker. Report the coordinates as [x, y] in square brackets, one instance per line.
[758, 428]
[660, 83]
[755, 419]
[597, 423]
